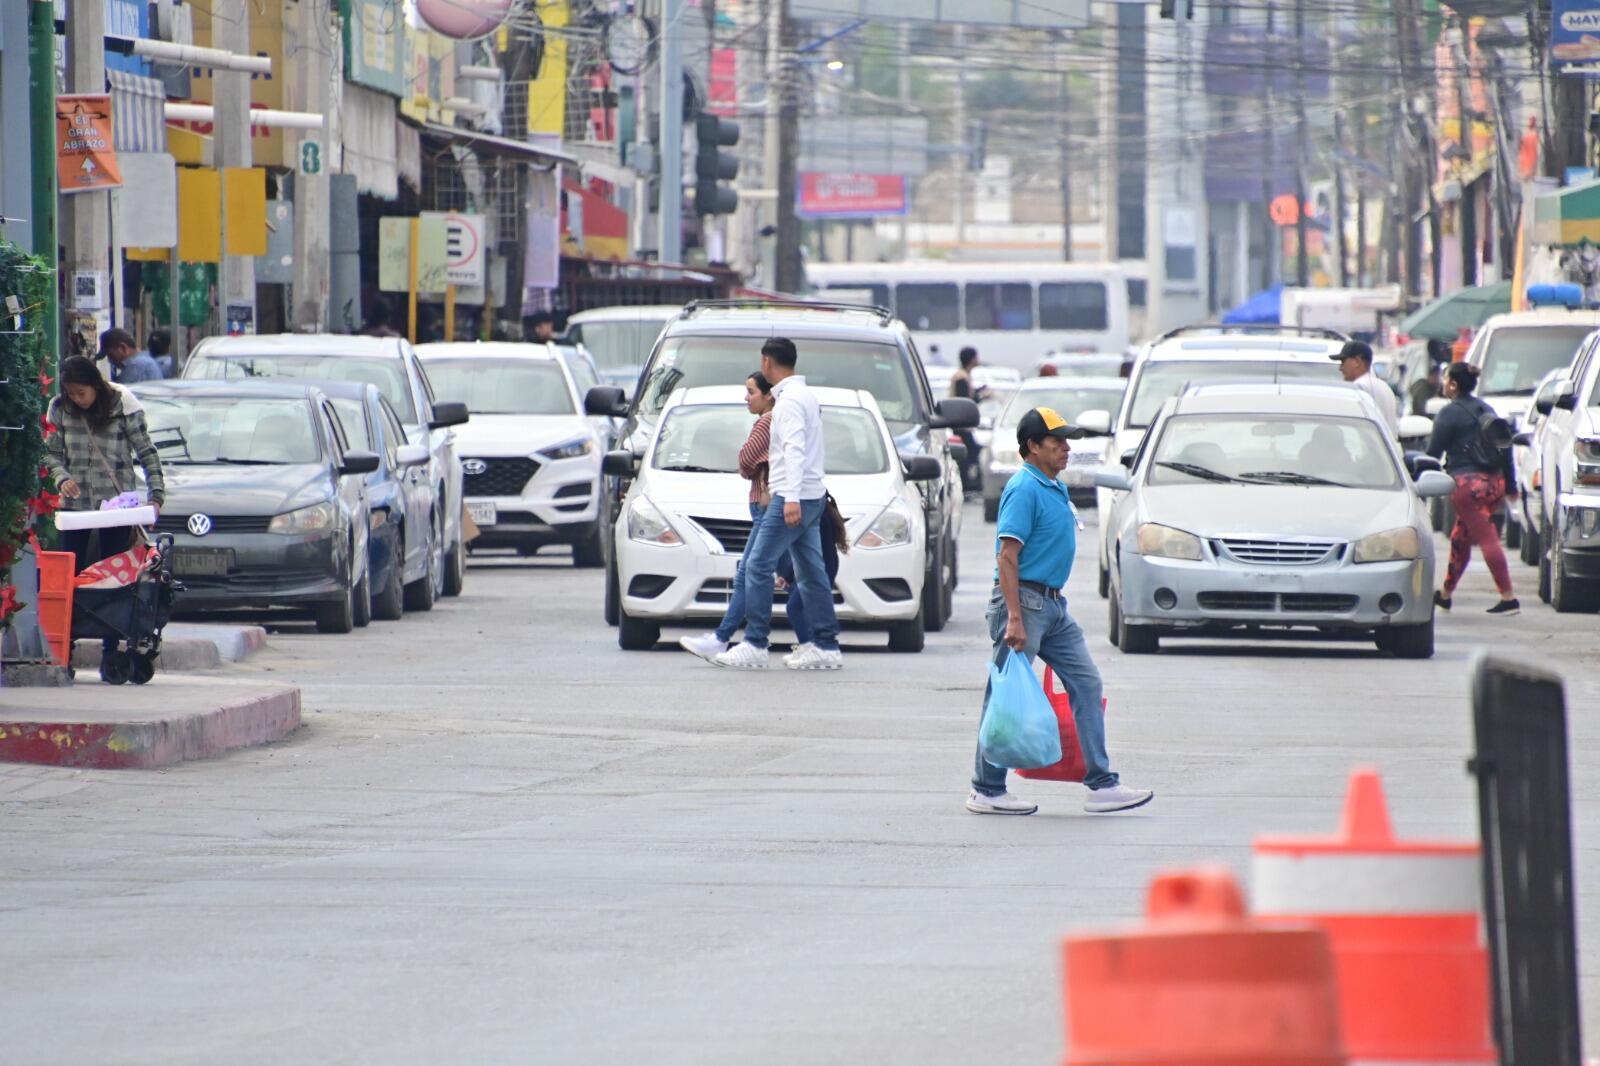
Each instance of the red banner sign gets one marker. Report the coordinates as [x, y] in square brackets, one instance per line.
[850, 195]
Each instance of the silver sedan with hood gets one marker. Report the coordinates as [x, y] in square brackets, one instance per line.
[1255, 508]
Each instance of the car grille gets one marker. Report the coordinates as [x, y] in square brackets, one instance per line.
[732, 533]
[500, 477]
[220, 523]
[718, 590]
[1277, 552]
[256, 579]
[1274, 603]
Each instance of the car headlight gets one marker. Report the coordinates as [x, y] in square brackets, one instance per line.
[569, 449]
[891, 529]
[317, 518]
[1586, 450]
[1388, 546]
[1169, 543]
[647, 525]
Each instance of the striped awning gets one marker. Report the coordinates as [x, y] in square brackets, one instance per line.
[139, 123]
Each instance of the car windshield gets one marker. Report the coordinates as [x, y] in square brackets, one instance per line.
[618, 344]
[353, 420]
[881, 369]
[707, 439]
[1273, 450]
[1161, 380]
[1066, 401]
[240, 430]
[388, 374]
[502, 386]
[1515, 359]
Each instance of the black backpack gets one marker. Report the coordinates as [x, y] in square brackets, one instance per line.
[1492, 440]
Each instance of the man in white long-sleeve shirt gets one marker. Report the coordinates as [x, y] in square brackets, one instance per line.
[792, 524]
[1355, 366]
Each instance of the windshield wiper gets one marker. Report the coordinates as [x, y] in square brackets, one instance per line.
[687, 468]
[1288, 477]
[1205, 473]
[242, 462]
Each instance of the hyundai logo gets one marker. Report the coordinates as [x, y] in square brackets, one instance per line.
[199, 524]
[474, 467]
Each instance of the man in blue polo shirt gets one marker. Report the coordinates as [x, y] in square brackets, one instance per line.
[1038, 537]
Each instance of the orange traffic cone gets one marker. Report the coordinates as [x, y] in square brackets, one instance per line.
[1201, 985]
[1403, 917]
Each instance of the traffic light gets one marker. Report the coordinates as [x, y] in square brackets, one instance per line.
[712, 165]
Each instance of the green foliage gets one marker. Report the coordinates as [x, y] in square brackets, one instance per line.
[25, 284]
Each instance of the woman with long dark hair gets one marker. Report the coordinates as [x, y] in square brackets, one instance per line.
[100, 437]
[1482, 470]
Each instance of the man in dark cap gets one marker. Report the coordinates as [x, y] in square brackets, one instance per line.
[1355, 366]
[1035, 546]
[129, 366]
[542, 327]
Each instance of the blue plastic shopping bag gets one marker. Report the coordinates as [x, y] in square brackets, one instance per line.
[1019, 726]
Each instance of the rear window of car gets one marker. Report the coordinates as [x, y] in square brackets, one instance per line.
[1516, 358]
[503, 386]
[687, 361]
[1159, 380]
[388, 374]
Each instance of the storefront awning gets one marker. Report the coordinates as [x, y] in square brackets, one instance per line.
[501, 146]
[1568, 217]
[139, 123]
[371, 151]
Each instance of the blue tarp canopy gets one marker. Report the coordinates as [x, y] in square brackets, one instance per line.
[1260, 309]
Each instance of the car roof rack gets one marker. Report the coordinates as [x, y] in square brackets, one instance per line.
[883, 314]
[1253, 327]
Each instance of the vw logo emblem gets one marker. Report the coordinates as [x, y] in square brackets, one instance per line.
[474, 467]
[199, 524]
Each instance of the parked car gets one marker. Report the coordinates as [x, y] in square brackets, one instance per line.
[1199, 354]
[1084, 365]
[1569, 485]
[1071, 398]
[840, 346]
[531, 456]
[265, 498]
[1527, 463]
[405, 547]
[685, 520]
[620, 338]
[387, 362]
[1262, 507]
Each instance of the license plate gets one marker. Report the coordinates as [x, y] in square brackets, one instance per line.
[1083, 459]
[482, 514]
[202, 562]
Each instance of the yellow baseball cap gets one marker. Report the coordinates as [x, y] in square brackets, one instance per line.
[1045, 422]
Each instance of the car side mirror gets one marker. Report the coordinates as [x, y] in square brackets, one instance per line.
[1115, 480]
[1415, 426]
[1128, 457]
[448, 413]
[958, 452]
[1418, 463]
[1097, 422]
[619, 463]
[607, 401]
[1432, 483]
[410, 455]
[1567, 400]
[1524, 440]
[921, 467]
[1544, 405]
[957, 412]
[356, 462]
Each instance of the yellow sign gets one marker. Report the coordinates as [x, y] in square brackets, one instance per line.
[244, 205]
[266, 90]
[199, 215]
[547, 93]
[85, 158]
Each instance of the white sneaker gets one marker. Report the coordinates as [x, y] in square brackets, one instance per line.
[1005, 803]
[1116, 798]
[706, 645]
[799, 650]
[743, 656]
[815, 658]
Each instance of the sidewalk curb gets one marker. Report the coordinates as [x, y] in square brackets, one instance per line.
[188, 647]
[258, 718]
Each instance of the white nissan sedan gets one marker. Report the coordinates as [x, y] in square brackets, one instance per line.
[684, 523]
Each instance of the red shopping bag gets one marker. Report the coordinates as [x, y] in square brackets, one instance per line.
[1071, 767]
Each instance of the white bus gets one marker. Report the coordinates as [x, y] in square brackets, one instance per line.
[1015, 314]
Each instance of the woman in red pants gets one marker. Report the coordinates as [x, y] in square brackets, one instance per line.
[1483, 480]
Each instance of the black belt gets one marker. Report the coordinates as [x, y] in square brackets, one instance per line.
[1043, 590]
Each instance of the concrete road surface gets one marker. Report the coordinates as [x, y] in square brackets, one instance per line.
[500, 839]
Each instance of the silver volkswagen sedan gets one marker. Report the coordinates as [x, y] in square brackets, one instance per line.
[1252, 508]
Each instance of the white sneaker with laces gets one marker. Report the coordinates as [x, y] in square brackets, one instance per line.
[797, 652]
[1005, 803]
[706, 645]
[1116, 798]
[815, 658]
[743, 656]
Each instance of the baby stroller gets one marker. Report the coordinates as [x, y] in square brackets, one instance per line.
[129, 605]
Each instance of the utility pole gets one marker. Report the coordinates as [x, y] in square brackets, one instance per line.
[1466, 219]
[1407, 16]
[86, 216]
[1064, 134]
[42, 146]
[1361, 198]
[1303, 260]
[963, 161]
[788, 267]
[904, 94]
[236, 275]
[309, 91]
[669, 239]
[1339, 249]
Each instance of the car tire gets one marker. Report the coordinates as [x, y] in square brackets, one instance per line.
[455, 570]
[613, 602]
[1412, 642]
[933, 591]
[116, 666]
[1545, 577]
[389, 603]
[1528, 550]
[908, 636]
[955, 578]
[361, 601]
[1113, 621]
[1569, 595]
[991, 510]
[338, 616]
[1383, 638]
[587, 551]
[636, 634]
[421, 594]
[1513, 532]
[1105, 583]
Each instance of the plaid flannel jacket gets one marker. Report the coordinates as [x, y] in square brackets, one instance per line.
[123, 440]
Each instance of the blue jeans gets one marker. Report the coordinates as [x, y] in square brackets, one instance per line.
[772, 540]
[1054, 637]
[733, 617]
